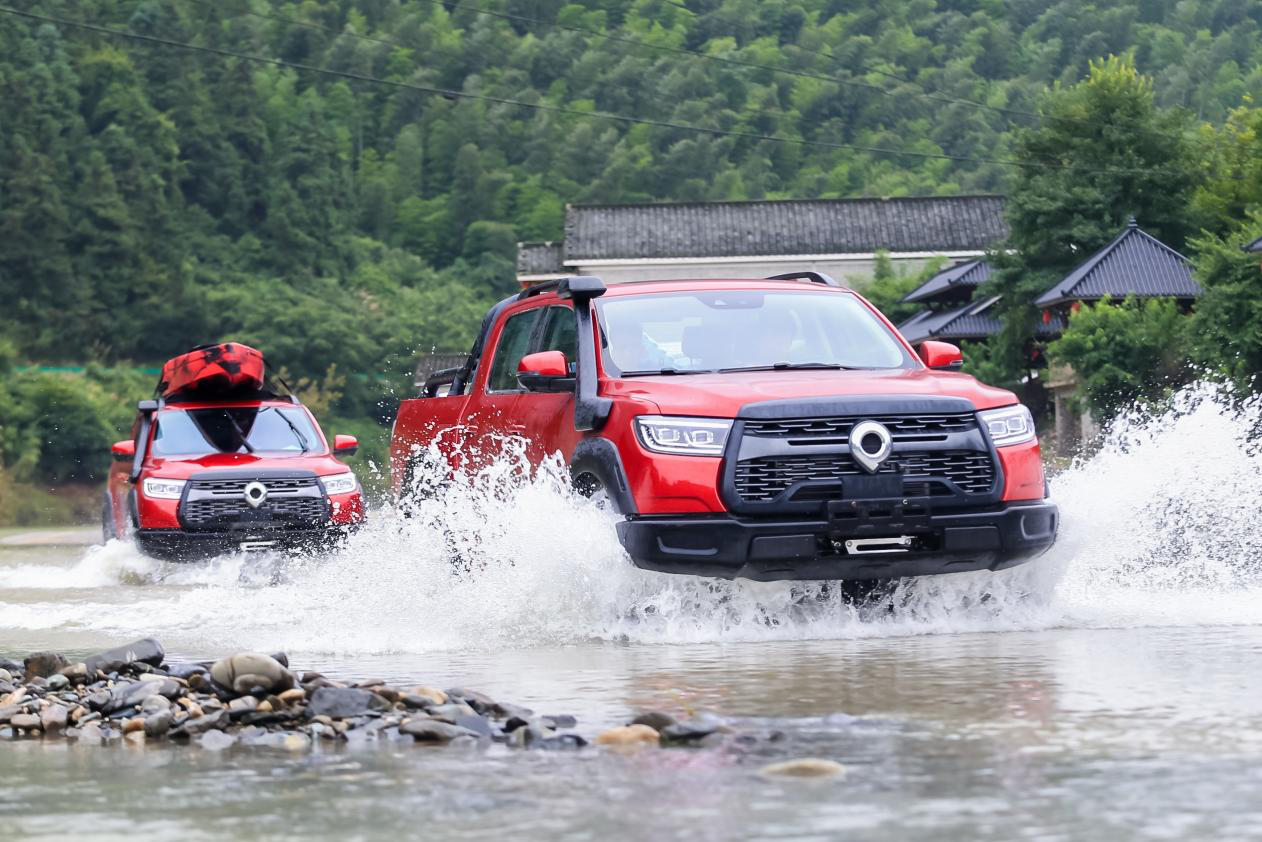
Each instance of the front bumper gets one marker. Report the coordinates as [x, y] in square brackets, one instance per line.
[189, 545]
[765, 549]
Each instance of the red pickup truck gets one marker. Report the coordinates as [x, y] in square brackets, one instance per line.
[769, 429]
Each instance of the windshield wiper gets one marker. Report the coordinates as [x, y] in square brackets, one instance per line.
[249, 448]
[302, 440]
[789, 367]
[667, 371]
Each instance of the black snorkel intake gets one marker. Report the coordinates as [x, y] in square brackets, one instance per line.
[590, 411]
[147, 409]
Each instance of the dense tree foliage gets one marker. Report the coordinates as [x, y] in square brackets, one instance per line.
[1124, 352]
[1125, 157]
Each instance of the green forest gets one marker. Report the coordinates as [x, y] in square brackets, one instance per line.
[343, 183]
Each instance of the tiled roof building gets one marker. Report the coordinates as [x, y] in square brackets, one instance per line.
[1134, 263]
[753, 239]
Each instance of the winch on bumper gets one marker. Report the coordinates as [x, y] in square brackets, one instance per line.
[906, 540]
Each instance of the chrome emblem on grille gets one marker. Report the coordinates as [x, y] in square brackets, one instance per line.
[255, 494]
[870, 445]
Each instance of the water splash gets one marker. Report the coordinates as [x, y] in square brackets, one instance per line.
[1159, 527]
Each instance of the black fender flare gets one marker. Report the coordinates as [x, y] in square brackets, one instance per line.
[599, 457]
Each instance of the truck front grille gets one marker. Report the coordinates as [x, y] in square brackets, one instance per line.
[236, 487]
[764, 480]
[903, 428]
[218, 502]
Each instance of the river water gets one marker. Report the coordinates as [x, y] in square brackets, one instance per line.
[1111, 690]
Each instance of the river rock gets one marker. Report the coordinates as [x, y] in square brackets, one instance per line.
[435, 696]
[246, 671]
[58, 681]
[216, 740]
[297, 694]
[134, 724]
[128, 695]
[628, 735]
[557, 721]
[480, 702]
[562, 742]
[24, 721]
[154, 704]
[43, 664]
[245, 703]
[804, 767]
[185, 671]
[209, 722]
[682, 733]
[341, 702]
[480, 725]
[7, 712]
[158, 724]
[433, 731]
[655, 719]
[5, 675]
[144, 651]
[451, 712]
[53, 718]
[13, 698]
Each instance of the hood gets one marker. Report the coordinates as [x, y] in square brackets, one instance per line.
[723, 395]
[182, 468]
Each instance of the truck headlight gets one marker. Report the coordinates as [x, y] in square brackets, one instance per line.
[340, 483]
[1009, 425]
[688, 436]
[158, 488]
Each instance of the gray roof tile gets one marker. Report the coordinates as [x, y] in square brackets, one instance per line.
[975, 320]
[539, 259]
[967, 275]
[1134, 263]
[749, 229]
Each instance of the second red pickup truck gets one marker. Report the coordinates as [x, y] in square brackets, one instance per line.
[768, 429]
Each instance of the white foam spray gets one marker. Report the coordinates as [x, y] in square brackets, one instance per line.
[1160, 526]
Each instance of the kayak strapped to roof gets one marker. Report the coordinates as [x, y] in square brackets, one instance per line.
[213, 369]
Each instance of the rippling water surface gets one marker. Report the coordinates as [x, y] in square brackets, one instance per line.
[1110, 690]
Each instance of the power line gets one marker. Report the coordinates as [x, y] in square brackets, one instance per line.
[556, 109]
[340, 33]
[926, 93]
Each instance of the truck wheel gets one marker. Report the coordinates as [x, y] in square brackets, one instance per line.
[108, 532]
[419, 482]
[590, 486]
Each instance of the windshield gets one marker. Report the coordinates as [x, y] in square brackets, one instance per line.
[708, 331]
[234, 429]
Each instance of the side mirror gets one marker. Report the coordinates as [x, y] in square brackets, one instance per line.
[546, 371]
[345, 445]
[124, 451]
[941, 356]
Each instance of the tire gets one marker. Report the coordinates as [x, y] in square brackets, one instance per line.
[108, 532]
[589, 486]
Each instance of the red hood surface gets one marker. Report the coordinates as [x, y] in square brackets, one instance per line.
[722, 395]
[182, 468]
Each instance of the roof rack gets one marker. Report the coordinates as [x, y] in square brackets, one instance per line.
[813, 277]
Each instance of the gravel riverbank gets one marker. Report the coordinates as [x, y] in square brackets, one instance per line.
[133, 694]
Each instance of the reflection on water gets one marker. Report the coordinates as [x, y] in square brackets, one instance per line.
[1111, 690]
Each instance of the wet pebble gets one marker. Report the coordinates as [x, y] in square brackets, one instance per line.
[433, 731]
[628, 735]
[42, 665]
[804, 767]
[249, 672]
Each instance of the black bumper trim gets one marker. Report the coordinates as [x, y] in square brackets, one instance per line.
[729, 547]
[186, 545]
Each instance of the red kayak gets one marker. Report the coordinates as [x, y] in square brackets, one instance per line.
[213, 369]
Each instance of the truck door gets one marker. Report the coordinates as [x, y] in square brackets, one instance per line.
[549, 416]
[490, 415]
